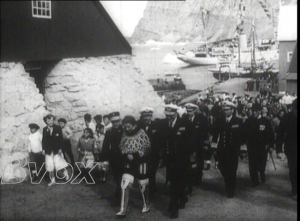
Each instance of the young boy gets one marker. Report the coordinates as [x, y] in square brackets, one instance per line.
[99, 158]
[52, 144]
[67, 134]
[35, 149]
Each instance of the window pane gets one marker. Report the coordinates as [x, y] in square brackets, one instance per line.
[34, 3]
[43, 12]
[35, 11]
[39, 11]
[43, 4]
[48, 13]
[47, 5]
[39, 4]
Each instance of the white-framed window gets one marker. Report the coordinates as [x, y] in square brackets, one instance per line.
[41, 9]
[289, 56]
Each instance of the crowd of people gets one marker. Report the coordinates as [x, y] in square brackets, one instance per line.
[224, 127]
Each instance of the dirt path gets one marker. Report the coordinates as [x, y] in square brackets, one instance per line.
[26, 201]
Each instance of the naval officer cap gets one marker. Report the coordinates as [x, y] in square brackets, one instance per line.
[146, 111]
[114, 116]
[228, 104]
[190, 106]
[170, 109]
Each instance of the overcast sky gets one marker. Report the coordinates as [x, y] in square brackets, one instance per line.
[125, 14]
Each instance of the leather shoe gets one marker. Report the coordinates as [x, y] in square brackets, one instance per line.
[263, 178]
[174, 215]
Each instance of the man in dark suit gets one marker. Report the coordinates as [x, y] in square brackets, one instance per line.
[112, 152]
[259, 137]
[176, 141]
[52, 144]
[228, 138]
[287, 135]
[150, 127]
[199, 136]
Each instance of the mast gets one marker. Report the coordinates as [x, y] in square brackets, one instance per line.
[204, 20]
[253, 45]
[240, 27]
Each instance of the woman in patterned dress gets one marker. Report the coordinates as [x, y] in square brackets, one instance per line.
[135, 147]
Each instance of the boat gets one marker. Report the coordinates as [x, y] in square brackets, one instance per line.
[199, 58]
[255, 68]
[231, 70]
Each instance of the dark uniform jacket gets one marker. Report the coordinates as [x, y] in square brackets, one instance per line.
[230, 136]
[111, 149]
[199, 130]
[258, 133]
[176, 142]
[151, 130]
[287, 134]
[52, 143]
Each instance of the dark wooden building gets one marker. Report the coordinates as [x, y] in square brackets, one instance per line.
[292, 74]
[53, 30]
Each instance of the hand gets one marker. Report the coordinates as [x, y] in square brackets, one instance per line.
[214, 145]
[43, 152]
[130, 157]
[243, 147]
[141, 153]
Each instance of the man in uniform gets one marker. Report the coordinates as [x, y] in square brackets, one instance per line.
[112, 152]
[287, 134]
[259, 138]
[199, 136]
[150, 127]
[176, 141]
[228, 136]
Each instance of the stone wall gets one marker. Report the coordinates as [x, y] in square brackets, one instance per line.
[73, 88]
[98, 86]
[21, 104]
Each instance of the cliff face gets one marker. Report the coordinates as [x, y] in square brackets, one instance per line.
[175, 21]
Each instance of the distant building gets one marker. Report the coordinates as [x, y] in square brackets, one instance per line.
[291, 77]
[287, 37]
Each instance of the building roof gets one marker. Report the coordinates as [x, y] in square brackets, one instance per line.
[291, 76]
[76, 29]
[287, 23]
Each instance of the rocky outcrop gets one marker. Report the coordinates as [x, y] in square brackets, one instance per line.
[180, 21]
[98, 86]
[21, 104]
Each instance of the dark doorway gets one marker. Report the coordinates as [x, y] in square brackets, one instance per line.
[39, 70]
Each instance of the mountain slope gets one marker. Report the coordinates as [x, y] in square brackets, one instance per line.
[176, 21]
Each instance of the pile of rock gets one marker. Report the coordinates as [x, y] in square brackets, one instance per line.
[98, 86]
[21, 104]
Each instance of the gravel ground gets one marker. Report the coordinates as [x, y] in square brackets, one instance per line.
[268, 201]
